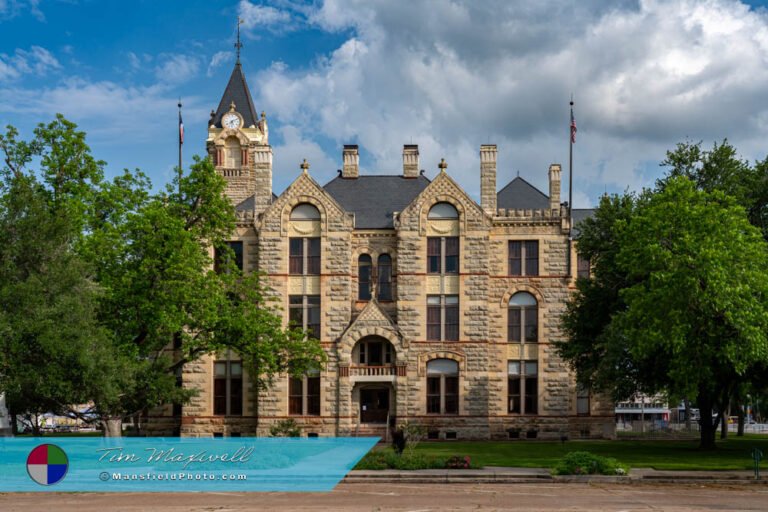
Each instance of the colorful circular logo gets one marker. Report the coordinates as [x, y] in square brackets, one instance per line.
[47, 464]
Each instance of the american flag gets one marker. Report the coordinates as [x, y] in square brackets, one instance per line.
[181, 127]
[573, 127]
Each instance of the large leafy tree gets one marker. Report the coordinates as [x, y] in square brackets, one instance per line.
[689, 314]
[159, 302]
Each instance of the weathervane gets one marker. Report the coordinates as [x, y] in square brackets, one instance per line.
[238, 44]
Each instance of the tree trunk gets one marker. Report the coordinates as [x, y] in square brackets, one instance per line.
[113, 427]
[687, 414]
[708, 427]
[723, 425]
[740, 414]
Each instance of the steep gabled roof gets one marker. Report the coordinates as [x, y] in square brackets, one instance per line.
[237, 91]
[521, 195]
[374, 198]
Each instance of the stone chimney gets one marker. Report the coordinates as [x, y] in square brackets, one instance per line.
[554, 187]
[488, 154]
[262, 171]
[351, 157]
[410, 161]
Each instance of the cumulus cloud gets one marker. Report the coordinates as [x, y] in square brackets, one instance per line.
[37, 60]
[450, 76]
[263, 17]
[176, 69]
[217, 60]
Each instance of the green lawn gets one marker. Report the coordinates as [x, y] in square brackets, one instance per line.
[731, 454]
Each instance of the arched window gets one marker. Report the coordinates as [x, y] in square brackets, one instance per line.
[443, 211]
[364, 267]
[442, 386]
[384, 288]
[523, 319]
[305, 211]
[233, 154]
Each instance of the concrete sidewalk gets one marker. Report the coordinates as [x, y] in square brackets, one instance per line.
[541, 475]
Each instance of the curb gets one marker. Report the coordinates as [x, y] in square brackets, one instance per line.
[458, 477]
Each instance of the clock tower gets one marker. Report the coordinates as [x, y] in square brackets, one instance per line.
[238, 145]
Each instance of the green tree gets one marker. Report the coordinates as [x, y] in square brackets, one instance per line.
[50, 337]
[690, 317]
[159, 301]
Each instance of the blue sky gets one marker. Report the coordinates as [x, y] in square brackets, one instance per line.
[448, 76]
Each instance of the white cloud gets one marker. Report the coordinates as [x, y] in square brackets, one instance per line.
[12, 8]
[176, 69]
[37, 60]
[217, 60]
[263, 17]
[109, 112]
[451, 76]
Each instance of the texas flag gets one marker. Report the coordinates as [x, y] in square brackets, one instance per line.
[573, 127]
[181, 128]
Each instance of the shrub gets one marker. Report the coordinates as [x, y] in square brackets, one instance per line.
[285, 428]
[586, 463]
[457, 462]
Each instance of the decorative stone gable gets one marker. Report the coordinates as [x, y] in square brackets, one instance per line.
[442, 189]
[305, 189]
[372, 321]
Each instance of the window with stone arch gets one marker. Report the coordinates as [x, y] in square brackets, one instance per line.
[442, 386]
[364, 272]
[304, 251]
[523, 318]
[443, 251]
[384, 286]
[233, 156]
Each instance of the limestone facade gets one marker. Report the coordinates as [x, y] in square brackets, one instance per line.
[421, 344]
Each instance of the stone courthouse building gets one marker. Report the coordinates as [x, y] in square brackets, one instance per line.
[432, 308]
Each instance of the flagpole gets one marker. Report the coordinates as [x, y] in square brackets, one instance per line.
[571, 135]
[181, 142]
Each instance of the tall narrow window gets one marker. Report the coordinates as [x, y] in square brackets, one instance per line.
[384, 289]
[522, 387]
[524, 258]
[364, 277]
[582, 400]
[582, 266]
[304, 395]
[222, 255]
[443, 255]
[443, 317]
[442, 386]
[523, 318]
[227, 388]
[304, 256]
[304, 312]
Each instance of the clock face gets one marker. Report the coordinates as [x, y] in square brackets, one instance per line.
[230, 121]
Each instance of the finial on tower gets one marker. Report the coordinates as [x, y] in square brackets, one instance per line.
[305, 166]
[238, 44]
[443, 165]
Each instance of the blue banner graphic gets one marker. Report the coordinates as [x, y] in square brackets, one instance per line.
[161, 464]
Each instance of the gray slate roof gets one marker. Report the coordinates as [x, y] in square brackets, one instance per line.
[374, 198]
[521, 195]
[237, 91]
[580, 214]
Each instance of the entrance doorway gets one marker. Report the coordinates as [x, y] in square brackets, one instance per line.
[374, 405]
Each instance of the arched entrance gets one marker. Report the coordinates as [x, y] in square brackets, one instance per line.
[373, 372]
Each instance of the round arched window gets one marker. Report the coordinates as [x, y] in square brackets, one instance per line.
[305, 211]
[442, 386]
[523, 319]
[443, 211]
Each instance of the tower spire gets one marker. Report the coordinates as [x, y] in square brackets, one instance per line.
[238, 44]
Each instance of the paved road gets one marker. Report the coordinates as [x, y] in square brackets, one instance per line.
[421, 498]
